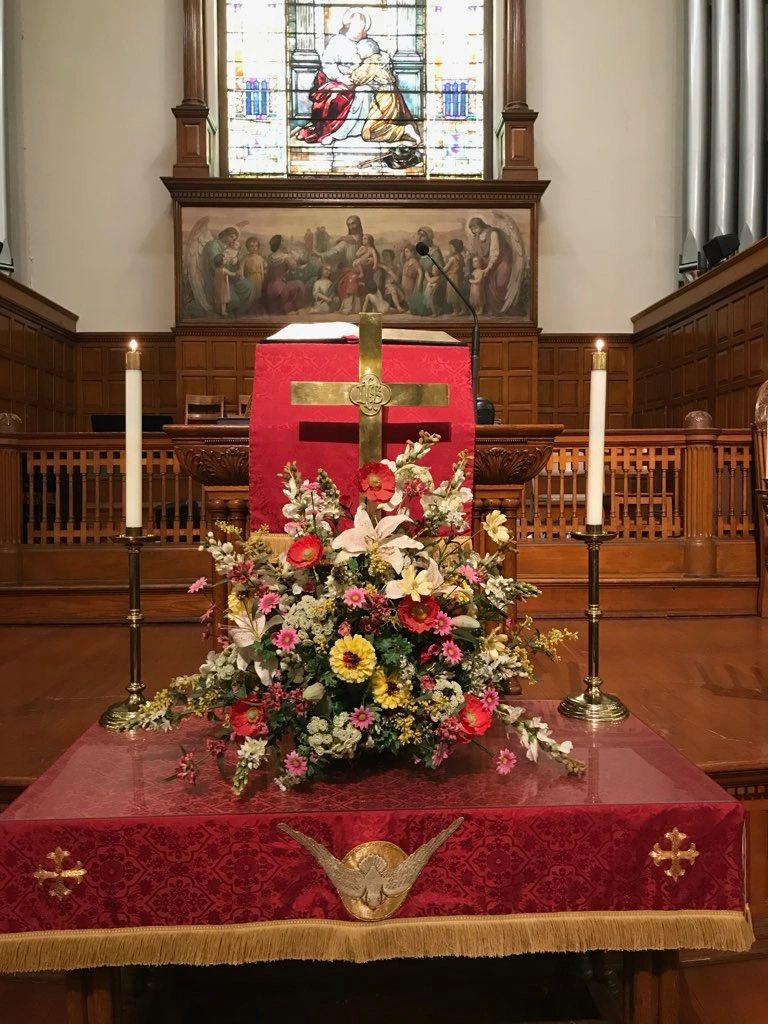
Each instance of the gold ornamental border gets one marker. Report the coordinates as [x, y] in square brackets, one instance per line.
[501, 935]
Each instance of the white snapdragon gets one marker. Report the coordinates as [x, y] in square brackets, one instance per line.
[251, 752]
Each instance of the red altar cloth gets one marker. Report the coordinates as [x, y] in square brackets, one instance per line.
[541, 861]
[326, 436]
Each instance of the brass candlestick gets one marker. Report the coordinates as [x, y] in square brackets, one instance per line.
[594, 705]
[118, 716]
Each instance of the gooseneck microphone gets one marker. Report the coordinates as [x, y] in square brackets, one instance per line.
[484, 409]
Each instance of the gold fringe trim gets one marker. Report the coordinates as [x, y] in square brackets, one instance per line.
[314, 939]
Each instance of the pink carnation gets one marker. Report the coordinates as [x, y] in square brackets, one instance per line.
[268, 602]
[451, 652]
[198, 585]
[354, 597]
[216, 748]
[505, 761]
[186, 769]
[344, 628]
[427, 683]
[442, 624]
[295, 765]
[362, 718]
[285, 639]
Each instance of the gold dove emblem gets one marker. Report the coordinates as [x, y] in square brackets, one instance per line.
[374, 878]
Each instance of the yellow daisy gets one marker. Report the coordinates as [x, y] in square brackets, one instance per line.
[389, 691]
[353, 659]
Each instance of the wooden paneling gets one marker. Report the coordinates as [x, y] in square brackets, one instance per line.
[37, 359]
[564, 364]
[100, 361]
[211, 361]
[705, 346]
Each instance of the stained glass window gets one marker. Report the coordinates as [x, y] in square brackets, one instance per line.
[386, 87]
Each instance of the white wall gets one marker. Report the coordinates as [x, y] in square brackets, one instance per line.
[93, 129]
[606, 76]
[94, 84]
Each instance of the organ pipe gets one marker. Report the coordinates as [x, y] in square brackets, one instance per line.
[752, 123]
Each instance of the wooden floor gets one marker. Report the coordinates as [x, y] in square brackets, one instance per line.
[701, 683]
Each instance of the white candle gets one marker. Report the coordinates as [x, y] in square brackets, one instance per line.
[596, 454]
[133, 474]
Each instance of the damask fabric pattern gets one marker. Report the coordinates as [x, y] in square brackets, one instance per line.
[536, 842]
[326, 436]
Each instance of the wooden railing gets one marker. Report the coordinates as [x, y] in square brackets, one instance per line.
[69, 488]
[645, 475]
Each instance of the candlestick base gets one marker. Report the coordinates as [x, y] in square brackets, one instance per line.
[119, 717]
[593, 705]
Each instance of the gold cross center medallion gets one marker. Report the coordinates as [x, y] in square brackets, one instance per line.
[61, 875]
[369, 392]
[675, 856]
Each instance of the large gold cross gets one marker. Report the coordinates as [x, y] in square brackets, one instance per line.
[369, 392]
[676, 856]
[61, 875]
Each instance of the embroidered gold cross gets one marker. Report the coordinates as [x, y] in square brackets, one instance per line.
[369, 393]
[61, 875]
[676, 868]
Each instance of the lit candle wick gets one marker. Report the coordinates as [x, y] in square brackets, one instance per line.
[133, 345]
[599, 344]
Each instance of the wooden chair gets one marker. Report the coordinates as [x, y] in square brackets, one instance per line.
[243, 405]
[203, 408]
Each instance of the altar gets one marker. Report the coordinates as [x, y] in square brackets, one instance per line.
[102, 863]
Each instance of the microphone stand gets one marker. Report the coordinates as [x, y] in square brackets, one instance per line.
[484, 408]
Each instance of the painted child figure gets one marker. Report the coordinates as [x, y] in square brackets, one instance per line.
[476, 284]
[221, 290]
[322, 292]
[431, 285]
[454, 271]
[252, 266]
[393, 293]
[367, 256]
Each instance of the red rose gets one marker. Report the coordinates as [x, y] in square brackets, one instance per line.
[418, 616]
[474, 718]
[247, 718]
[305, 552]
[376, 481]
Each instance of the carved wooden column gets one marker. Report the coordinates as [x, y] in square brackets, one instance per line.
[192, 113]
[699, 495]
[11, 498]
[515, 129]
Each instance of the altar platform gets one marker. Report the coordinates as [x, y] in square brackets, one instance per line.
[159, 872]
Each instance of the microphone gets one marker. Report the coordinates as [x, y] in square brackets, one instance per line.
[484, 409]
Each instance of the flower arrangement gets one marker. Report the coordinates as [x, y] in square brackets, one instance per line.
[380, 629]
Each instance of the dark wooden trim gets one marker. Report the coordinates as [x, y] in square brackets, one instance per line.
[35, 306]
[515, 73]
[221, 79]
[733, 273]
[341, 191]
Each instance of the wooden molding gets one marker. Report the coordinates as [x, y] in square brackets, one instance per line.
[364, 192]
[735, 272]
[32, 305]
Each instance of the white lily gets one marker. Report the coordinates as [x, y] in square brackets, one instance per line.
[244, 633]
[493, 524]
[365, 538]
[413, 583]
